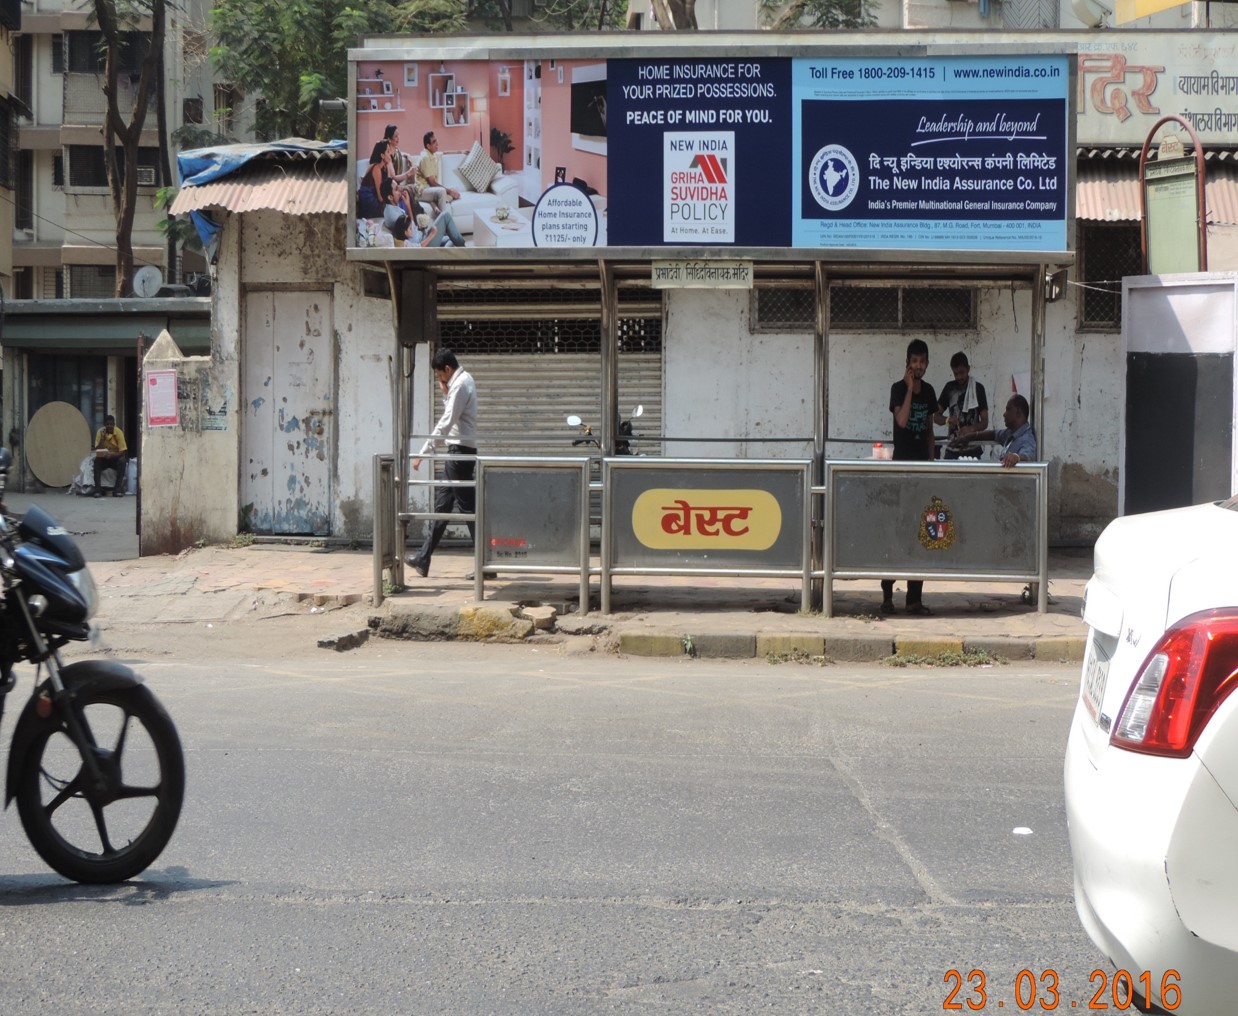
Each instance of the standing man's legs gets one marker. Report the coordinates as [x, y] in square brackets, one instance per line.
[448, 499]
[915, 590]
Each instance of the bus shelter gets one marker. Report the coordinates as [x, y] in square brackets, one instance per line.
[654, 162]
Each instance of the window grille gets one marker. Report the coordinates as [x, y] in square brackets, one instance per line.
[569, 331]
[87, 165]
[1107, 252]
[92, 281]
[865, 308]
[23, 206]
[8, 143]
[86, 54]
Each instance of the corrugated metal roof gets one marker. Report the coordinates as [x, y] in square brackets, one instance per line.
[1108, 189]
[292, 187]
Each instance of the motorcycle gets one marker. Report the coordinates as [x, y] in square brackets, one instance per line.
[95, 765]
[622, 446]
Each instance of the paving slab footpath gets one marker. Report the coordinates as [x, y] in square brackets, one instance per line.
[702, 616]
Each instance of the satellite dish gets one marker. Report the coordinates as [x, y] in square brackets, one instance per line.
[147, 281]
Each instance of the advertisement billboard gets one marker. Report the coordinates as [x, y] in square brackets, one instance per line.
[722, 153]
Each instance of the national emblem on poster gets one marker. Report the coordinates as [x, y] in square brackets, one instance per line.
[936, 526]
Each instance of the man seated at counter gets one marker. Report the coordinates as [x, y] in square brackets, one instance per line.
[1017, 438]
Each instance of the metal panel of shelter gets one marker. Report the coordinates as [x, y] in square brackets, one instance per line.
[735, 151]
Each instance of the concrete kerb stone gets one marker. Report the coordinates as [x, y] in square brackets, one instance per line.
[723, 645]
[1063, 648]
[789, 645]
[858, 648]
[649, 643]
[1010, 648]
[907, 646]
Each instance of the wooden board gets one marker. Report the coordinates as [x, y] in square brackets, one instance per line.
[57, 439]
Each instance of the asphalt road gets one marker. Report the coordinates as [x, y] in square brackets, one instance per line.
[461, 829]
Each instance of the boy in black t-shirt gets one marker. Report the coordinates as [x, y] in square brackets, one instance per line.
[913, 403]
[963, 407]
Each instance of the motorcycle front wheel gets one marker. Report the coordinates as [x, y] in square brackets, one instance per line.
[112, 828]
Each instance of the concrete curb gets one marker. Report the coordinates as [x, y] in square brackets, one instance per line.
[501, 622]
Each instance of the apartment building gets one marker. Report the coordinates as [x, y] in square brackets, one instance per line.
[66, 337]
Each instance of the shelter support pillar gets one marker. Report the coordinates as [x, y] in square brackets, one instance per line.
[610, 356]
[820, 416]
[414, 306]
[1039, 295]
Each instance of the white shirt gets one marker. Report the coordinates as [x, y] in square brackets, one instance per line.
[459, 420]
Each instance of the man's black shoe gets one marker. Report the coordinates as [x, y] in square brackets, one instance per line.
[419, 568]
[887, 606]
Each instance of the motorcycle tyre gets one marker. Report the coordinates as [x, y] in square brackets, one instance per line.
[137, 856]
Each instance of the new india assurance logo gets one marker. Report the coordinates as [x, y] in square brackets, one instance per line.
[834, 177]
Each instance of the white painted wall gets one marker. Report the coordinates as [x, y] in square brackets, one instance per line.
[724, 380]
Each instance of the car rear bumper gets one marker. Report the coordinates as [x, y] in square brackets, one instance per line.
[1127, 816]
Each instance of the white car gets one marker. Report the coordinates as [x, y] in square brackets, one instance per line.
[1152, 758]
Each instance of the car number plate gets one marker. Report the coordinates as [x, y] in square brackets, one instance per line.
[1095, 675]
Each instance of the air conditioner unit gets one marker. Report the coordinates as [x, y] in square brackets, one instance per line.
[146, 176]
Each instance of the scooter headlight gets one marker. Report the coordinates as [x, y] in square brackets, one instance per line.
[84, 583]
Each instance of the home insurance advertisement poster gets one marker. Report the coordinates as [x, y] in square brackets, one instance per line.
[953, 152]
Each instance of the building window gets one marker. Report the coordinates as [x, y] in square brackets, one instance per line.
[8, 143]
[1107, 252]
[226, 100]
[24, 72]
[23, 283]
[87, 55]
[191, 109]
[23, 205]
[58, 171]
[92, 282]
[87, 166]
[865, 308]
[80, 381]
[57, 54]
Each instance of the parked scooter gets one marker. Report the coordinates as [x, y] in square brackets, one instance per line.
[96, 765]
[622, 446]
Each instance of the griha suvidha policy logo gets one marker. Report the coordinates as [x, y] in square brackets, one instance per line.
[834, 177]
[699, 202]
[667, 519]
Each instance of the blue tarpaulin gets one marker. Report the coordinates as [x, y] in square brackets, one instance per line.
[204, 165]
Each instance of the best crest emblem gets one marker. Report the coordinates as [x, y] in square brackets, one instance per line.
[936, 526]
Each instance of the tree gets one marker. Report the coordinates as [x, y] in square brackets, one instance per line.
[675, 15]
[577, 15]
[293, 54]
[829, 14]
[116, 20]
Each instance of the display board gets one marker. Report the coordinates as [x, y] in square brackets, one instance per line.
[734, 153]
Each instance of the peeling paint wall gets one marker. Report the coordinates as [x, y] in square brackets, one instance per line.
[306, 252]
[183, 500]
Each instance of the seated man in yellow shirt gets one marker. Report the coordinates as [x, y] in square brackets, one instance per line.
[110, 453]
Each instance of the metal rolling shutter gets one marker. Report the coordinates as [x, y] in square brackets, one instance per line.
[535, 357]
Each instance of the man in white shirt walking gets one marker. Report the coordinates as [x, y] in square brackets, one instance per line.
[458, 428]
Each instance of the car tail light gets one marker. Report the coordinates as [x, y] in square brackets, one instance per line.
[1189, 673]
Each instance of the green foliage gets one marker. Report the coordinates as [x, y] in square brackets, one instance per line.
[573, 15]
[827, 14]
[430, 17]
[292, 53]
[968, 658]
